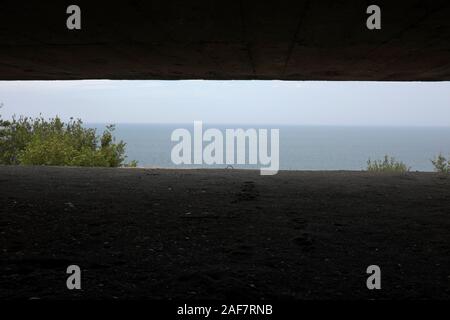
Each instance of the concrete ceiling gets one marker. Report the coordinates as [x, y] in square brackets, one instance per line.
[212, 39]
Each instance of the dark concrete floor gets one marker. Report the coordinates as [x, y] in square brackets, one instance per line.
[222, 234]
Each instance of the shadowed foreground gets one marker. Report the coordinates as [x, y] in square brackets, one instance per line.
[196, 234]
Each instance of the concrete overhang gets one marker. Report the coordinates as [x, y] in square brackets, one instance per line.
[207, 39]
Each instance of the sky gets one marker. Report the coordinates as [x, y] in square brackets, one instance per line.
[232, 102]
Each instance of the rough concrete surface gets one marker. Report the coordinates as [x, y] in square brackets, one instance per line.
[222, 234]
[275, 39]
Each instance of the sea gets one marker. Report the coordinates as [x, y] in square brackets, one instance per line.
[301, 147]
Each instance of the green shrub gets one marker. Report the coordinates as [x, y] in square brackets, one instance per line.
[388, 164]
[131, 164]
[37, 141]
[441, 164]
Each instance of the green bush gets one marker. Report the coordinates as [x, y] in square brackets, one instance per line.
[441, 164]
[37, 141]
[388, 164]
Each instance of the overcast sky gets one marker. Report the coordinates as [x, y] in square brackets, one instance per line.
[233, 102]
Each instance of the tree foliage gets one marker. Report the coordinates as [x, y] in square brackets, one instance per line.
[38, 141]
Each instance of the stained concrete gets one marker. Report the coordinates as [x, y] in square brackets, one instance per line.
[301, 40]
